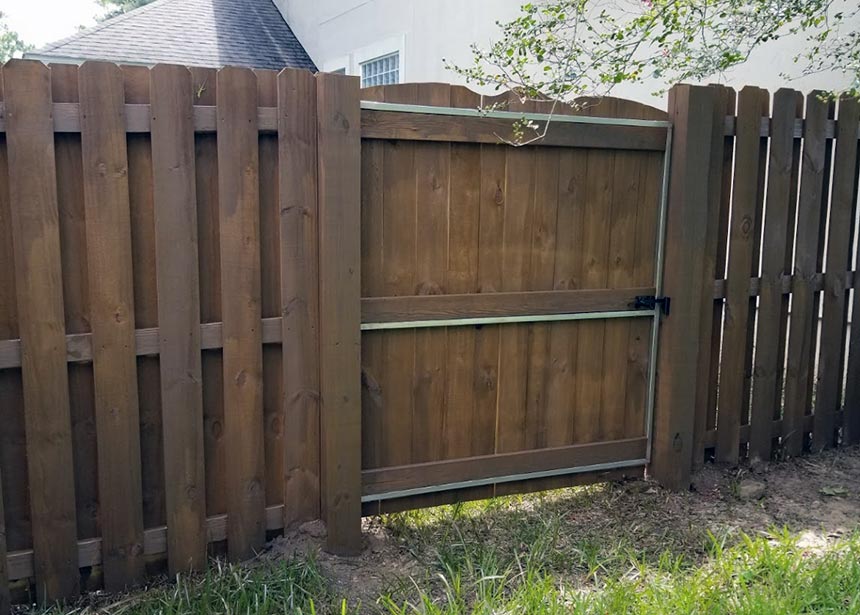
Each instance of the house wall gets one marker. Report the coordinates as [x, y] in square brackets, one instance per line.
[340, 34]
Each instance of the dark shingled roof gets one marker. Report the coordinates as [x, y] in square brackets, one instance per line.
[212, 33]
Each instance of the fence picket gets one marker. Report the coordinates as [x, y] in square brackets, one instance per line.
[36, 242]
[179, 316]
[239, 199]
[843, 206]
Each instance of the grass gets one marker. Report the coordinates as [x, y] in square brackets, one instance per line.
[603, 549]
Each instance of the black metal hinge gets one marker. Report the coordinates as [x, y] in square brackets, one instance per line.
[650, 302]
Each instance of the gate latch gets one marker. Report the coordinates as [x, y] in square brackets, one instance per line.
[650, 302]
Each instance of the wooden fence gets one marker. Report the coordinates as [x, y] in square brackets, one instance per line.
[218, 292]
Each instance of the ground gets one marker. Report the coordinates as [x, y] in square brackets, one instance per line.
[783, 538]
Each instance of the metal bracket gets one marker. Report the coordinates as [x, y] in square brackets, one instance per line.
[650, 302]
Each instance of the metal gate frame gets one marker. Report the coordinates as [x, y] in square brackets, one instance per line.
[656, 313]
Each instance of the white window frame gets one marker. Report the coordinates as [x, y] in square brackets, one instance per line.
[384, 70]
[396, 44]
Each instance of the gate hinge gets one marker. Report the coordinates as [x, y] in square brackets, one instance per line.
[650, 302]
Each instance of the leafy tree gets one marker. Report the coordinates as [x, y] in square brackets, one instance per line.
[562, 49]
[118, 7]
[11, 44]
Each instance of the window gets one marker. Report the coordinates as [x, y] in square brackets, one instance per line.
[339, 71]
[383, 70]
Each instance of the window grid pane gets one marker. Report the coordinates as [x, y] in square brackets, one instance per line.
[384, 70]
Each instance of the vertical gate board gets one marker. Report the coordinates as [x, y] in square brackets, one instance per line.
[179, 316]
[851, 420]
[270, 280]
[136, 81]
[13, 453]
[73, 246]
[205, 84]
[542, 277]
[562, 381]
[801, 343]
[339, 153]
[741, 249]
[238, 192]
[462, 277]
[778, 242]
[638, 347]
[491, 222]
[839, 239]
[399, 237]
[722, 266]
[109, 266]
[36, 241]
[297, 143]
[432, 183]
[686, 227]
[8, 378]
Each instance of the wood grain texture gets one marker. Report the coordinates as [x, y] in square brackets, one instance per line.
[109, 264]
[686, 228]
[741, 249]
[777, 248]
[843, 208]
[339, 153]
[801, 341]
[179, 316]
[5, 604]
[36, 242]
[238, 195]
[299, 293]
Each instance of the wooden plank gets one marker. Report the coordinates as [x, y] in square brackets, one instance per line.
[139, 146]
[432, 187]
[206, 158]
[489, 466]
[179, 316]
[742, 246]
[238, 192]
[462, 277]
[711, 325]
[843, 206]
[515, 303]
[109, 264]
[339, 153]
[778, 243]
[299, 293]
[851, 421]
[802, 343]
[459, 129]
[686, 228]
[5, 604]
[36, 242]
[270, 293]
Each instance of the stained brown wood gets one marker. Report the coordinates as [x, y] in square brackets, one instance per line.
[686, 228]
[239, 205]
[801, 343]
[458, 129]
[109, 264]
[843, 206]
[484, 305]
[36, 242]
[778, 243]
[710, 329]
[489, 466]
[741, 249]
[851, 420]
[339, 143]
[5, 604]
[179, 316]
[299, 293]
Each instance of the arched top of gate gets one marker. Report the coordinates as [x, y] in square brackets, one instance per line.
[447, 95]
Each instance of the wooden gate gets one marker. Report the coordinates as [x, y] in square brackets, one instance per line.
[502, 341]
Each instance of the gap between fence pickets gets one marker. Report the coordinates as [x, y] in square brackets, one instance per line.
[79, 345]
[138, 119]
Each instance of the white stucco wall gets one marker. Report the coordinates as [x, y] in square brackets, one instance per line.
[342, 33]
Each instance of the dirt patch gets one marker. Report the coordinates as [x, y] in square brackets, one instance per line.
[591, 527]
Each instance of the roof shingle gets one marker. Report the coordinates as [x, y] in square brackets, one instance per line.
[211, 33]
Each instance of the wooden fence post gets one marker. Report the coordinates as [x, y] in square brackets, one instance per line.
[4, 576]
[690, 111]
[339, 172]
